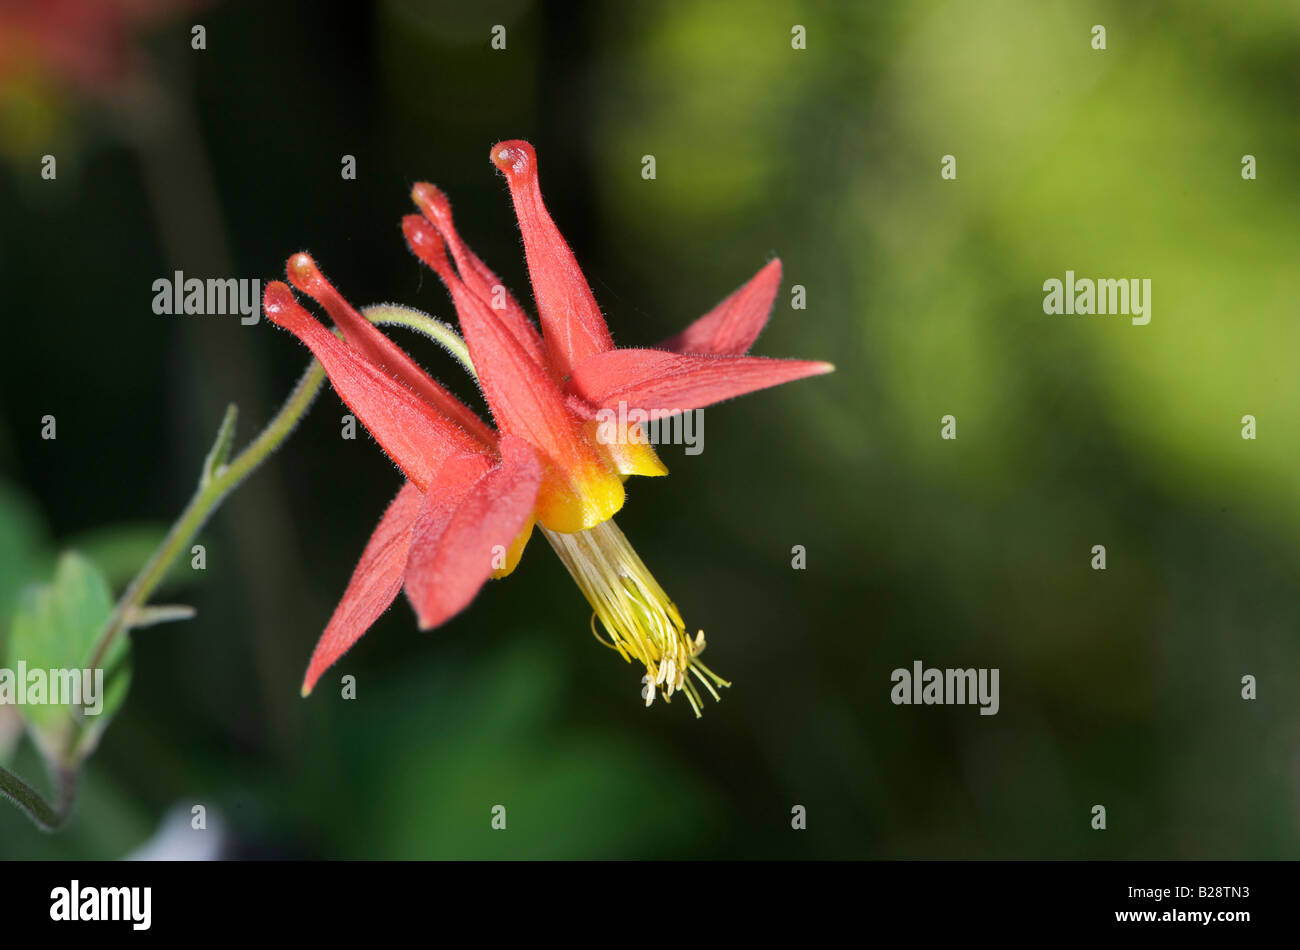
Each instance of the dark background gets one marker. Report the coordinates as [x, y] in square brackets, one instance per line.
[1120, 688]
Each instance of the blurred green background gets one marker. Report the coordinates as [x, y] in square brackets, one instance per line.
[1120, 688]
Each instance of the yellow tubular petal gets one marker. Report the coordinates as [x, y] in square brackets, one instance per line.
[629, 451]
[578, 497]
[516, 551]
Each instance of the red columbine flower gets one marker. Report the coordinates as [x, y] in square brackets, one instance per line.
[475, 493]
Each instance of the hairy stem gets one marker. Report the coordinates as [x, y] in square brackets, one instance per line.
[45, 816]
[393, 315]
[219, 478]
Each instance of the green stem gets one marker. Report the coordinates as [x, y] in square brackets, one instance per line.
[219, 479]
[436, 330]
[29, 801]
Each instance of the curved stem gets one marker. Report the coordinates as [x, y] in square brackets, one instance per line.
[393, 315]
[30, 802]
[218, 479]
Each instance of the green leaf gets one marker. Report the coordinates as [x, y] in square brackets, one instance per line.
[219, 454]
[56, 627]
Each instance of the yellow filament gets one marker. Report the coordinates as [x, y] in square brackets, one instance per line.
[639, 621]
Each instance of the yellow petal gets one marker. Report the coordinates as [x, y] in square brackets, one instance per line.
[578, 497]
[516, 551]
[628, 449]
